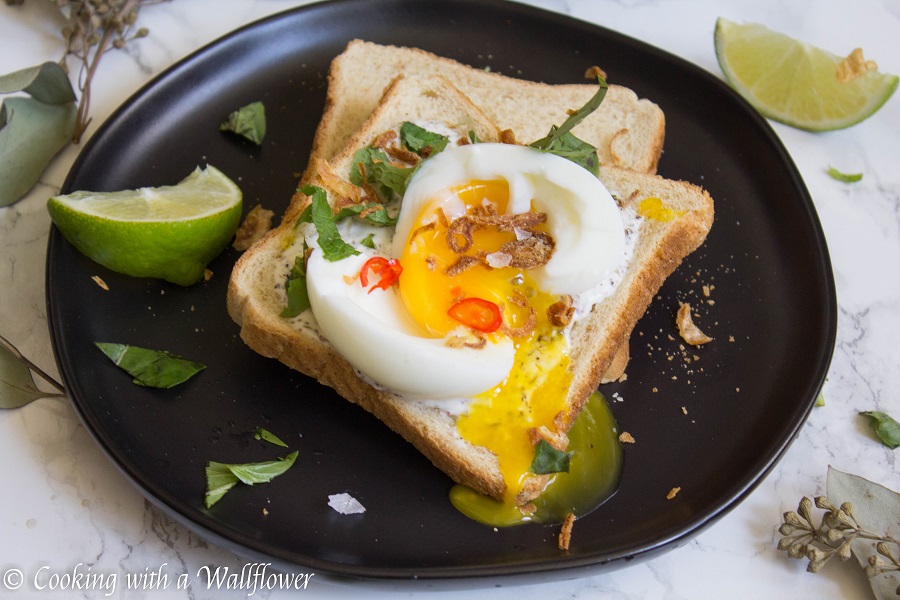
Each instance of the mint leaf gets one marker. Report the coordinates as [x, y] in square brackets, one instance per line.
[560, 141]
[248, 121]
[151, 368]
[377, 214]
[845, 177]
[548, 459]
[368, 241]
[268, 436]
[380, 174]
[420, 140]
[330, 241]
[297, 293]
[885, 428]
[221, 477]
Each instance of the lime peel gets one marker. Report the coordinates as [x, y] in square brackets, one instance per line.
[168, 232]
[796, 83]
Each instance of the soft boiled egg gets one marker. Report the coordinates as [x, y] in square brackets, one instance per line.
[489, 239]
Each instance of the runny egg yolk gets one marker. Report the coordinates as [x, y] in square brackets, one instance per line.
[535, 391]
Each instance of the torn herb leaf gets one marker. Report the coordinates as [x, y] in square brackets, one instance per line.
[248, 121]
[221, 477]
[886, 428]
[473, 137]
[561, 142]
[268, 436]
[330, 241]
[548, 459]
[297, 293]
[374, 213]
[845, 177]
[372, 167]
[151, 368]
[368, 241]
[421, 141]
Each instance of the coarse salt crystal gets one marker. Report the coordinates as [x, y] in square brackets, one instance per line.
[345, 504]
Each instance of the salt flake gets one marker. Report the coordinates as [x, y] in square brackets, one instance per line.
[345, 504]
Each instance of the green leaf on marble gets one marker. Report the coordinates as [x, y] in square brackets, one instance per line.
[33, 129]
[17, 387]
[885, 427]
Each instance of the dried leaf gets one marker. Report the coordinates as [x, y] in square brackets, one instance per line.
[33, 130]
[876, 508]
[17, 386]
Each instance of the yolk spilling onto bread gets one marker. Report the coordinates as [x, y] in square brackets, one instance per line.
[534, 394]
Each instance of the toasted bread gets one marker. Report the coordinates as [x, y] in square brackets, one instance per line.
[627, 131]
[256, 297]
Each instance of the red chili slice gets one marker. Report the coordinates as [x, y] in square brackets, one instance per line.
[477, 313]
[388, 271]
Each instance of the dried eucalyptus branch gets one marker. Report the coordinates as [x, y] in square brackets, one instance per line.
[832, 537]
[91, 28]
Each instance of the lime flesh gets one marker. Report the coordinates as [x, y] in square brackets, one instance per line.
[796, 83]
[169, 232]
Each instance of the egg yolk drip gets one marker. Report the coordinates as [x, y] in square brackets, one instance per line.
[535, 391]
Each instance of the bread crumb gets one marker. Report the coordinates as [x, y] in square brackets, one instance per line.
[706, 290]
[565, 534]
[730, 338]
[672, 493]
[626, 438]
[265, 511]
[654, 390]
[684, 409]
[690, 332]
[207, 275]
[100, 283]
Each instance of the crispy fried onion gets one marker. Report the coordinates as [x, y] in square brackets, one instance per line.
[560, 313]
[460, 230]
[467, 339]
[524, 330]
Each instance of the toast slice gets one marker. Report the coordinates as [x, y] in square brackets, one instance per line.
[256, 294]
[627, 131]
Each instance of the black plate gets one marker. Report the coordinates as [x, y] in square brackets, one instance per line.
[713, 427]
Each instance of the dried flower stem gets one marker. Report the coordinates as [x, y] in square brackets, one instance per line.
[832, 537]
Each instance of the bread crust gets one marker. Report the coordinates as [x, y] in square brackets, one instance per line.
[254, 302]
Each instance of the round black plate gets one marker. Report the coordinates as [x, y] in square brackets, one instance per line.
[710, 421]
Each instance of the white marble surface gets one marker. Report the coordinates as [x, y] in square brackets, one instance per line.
[63, 503]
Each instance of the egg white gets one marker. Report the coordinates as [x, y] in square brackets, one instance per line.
[374, 333]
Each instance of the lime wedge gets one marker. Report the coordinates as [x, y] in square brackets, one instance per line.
[168, 232]
[796, 83]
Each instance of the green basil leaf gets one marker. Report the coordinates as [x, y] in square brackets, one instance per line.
[420, 140]
[560, 141]
[845, 177]
[151, 368]
[330, 241]
[297, 294]
[548, 459]
[248, 121]
[379, 216]
[885, 427]
[221, 477]
[268, 436]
